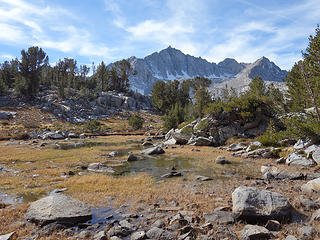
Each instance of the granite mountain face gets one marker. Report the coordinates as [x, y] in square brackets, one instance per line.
[170, 64]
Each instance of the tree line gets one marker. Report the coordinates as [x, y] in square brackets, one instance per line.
[298, 107]
[26, 75]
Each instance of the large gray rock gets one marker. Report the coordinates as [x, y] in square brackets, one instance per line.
[254, 204]
[159, 234]
[180, 138]
[152, 151]
[200, 141]
[58, 208]
[271, 172]
[254, 232]
[296, 159]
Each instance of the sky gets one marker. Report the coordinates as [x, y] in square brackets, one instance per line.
[110, 30]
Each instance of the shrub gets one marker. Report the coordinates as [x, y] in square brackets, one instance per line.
[93, 126]
[136, 122]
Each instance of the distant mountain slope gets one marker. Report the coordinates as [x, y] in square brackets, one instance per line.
[170, 64]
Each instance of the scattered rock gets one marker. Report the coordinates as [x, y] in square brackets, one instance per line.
[100, 168]
[254, 204]
[222, 160]
[236, 147]
[158, 233]
[7, 236]
[273, 225]
[200, 141]
[58, 208]
[180, 138]
[100, 236]
[132, 158]
[298, 160]
[219, 217]
[302, 143]
[311, 186]
[172, 174]
[158, 224]
[152, 151]
[307, 233]
[254, 232]
[138, 235]
[203, 178]
[113, 154]
[147, 144]
[271, 172]
[308, 204]
[281, 160]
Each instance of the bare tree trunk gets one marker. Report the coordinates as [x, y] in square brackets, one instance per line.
[310, 90]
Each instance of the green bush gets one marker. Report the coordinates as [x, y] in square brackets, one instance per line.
[136, 122]
[271, 137]
[93, 126]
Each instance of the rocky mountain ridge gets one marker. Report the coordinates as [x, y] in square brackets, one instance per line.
[171, 63]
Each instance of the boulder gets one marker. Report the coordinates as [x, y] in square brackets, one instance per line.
[316, 155]
[200, 141]
[297, 159]
[302, 143]
[180, 138]
[132, 158]
[7, 115]
[7, 236]
[58, 208]
[219, 217]
[147, 144]
[254, 145]
[158, 233]
[271, 172]
[170, 142]
[113, 154]
[100, 168]
[273, 225]
[315, 216]
[311, 186]
[152, 151]
[138, 235]
[222, 160]
[254, 204]
[254, 232]
[237, 147]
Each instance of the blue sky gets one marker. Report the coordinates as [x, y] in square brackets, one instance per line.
[111, 30]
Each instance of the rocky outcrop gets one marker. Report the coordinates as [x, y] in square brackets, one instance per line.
[105, 104]
[216, 130]
[58, 208]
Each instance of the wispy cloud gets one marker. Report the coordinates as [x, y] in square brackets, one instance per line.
[22, 23]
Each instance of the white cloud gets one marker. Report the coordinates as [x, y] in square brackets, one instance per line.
[22, 23]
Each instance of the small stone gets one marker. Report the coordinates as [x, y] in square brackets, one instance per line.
[132, 158]
[138, 235]
[113, 154]
[100, 236]
[251, 232]
[273, 225]
[222, 160]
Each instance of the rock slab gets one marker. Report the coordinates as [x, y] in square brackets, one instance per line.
[58, 208]
[253, 204]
